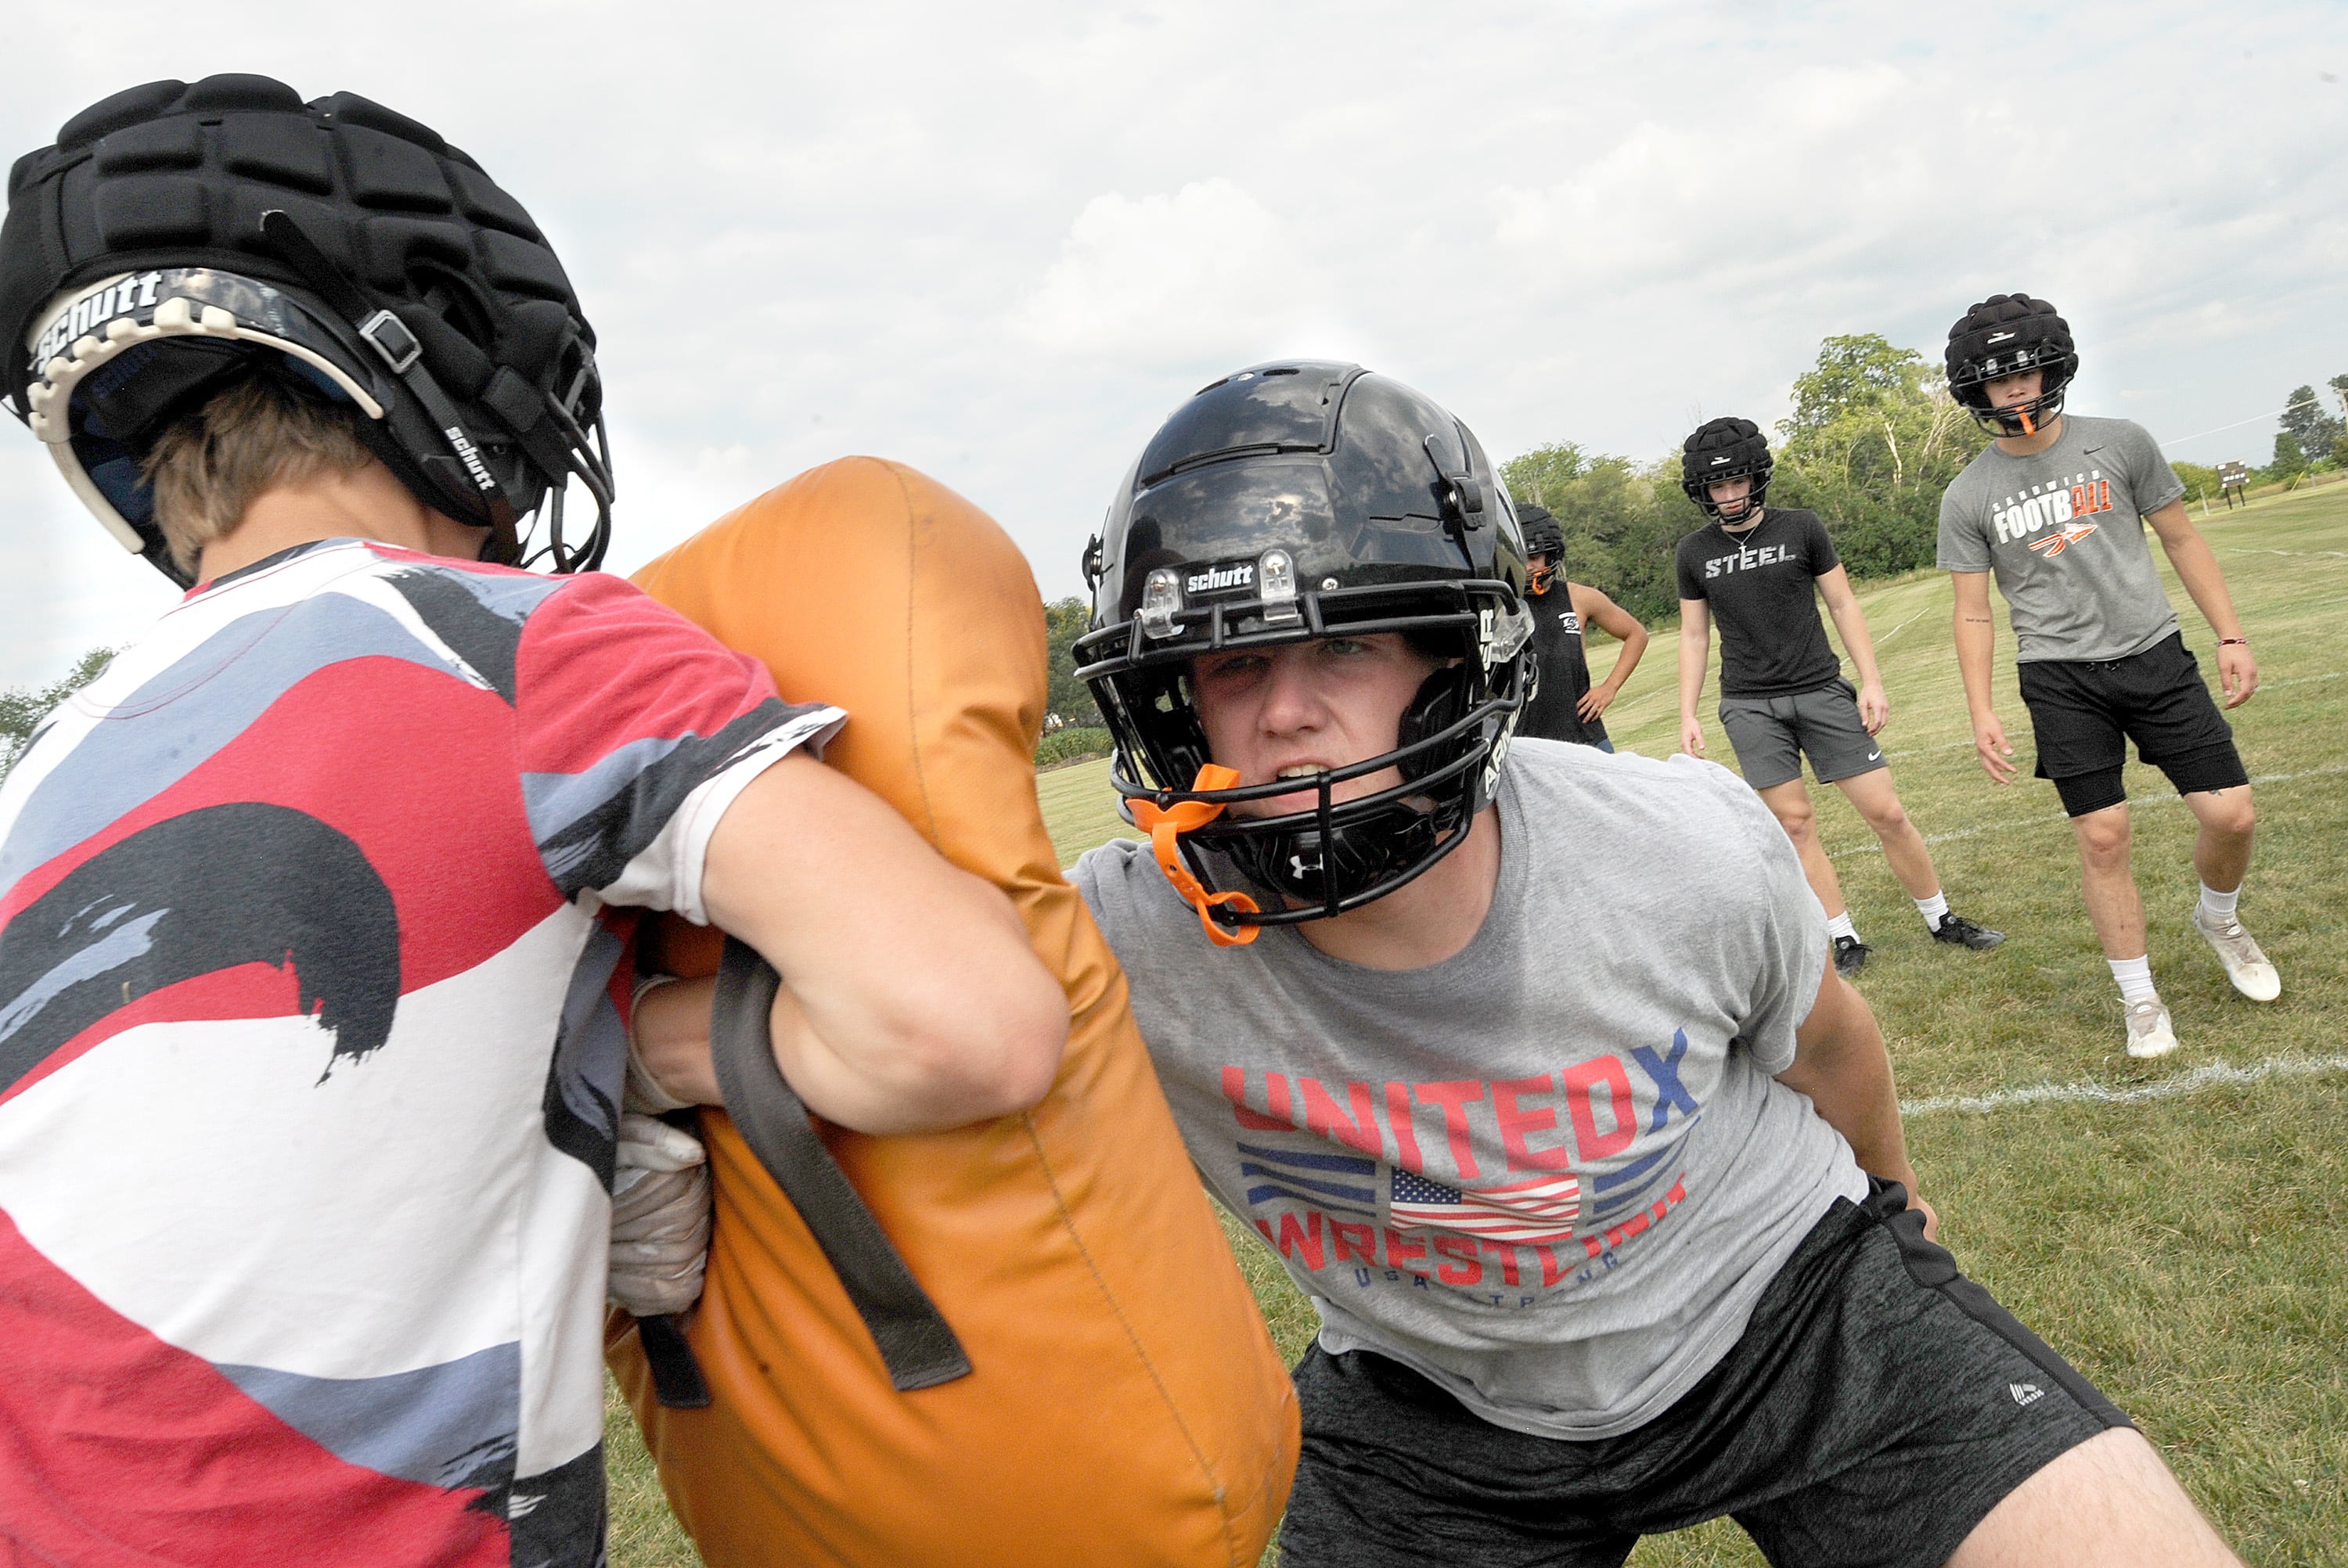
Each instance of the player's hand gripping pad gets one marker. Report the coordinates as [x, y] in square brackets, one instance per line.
[1127, 1407]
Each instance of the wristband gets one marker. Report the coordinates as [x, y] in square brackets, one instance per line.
[2233, 643]
[645, 1091]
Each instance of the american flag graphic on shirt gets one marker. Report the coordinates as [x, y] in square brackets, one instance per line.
[1543, 1209]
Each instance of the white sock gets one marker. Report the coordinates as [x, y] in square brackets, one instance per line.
[2134, 976]
[1934, 909]
[2216, 906]
[1840, 925]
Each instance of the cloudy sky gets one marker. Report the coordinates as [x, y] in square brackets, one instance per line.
[1000, 242]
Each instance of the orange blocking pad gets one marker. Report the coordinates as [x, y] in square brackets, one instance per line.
[1126, 1405]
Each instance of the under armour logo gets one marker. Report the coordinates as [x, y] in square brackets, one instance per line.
[2025, 1393]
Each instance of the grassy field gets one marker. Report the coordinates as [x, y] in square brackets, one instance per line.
[2173, 1227]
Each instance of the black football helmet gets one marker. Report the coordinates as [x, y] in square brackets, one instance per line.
[177, 239]
[1727, 448]
[1543, 536]
[2003, 335]
[1292, 501]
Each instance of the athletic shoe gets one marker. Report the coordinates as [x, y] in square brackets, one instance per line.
[2148, 1031]
[1850, 956]
[1955, 928]
[2246, 967]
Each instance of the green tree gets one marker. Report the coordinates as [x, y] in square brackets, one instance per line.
[1064, 620]
[2290, 459]
[1872, 441]
[21, 708]
[2308, 426]
[2198, 481]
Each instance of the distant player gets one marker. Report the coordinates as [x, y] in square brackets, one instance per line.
[1782, 695]
[2052, 507]
[1564, 705]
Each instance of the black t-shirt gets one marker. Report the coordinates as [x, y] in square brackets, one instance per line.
[1759, 586]
[1564, 672]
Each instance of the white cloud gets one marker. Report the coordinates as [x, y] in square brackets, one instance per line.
[1000, 242]
[1164, 277]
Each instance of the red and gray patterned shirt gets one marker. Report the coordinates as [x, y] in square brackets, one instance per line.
[311, 1051]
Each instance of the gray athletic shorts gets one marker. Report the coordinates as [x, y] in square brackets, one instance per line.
[1772, 734]
[1876, 1407]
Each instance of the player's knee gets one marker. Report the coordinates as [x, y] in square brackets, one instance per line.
[1800, 822]
[1889, 821]
[2103, 837]
[2230, 813]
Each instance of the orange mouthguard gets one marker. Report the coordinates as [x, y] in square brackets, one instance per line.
[1167, 824]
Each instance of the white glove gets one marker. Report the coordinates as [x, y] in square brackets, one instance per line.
[660, 1217]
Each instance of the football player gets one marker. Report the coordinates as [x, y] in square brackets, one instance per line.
[1528, 1061]
[1759, 570]
[311, 1027]
[1565, 705]
[2055, 507]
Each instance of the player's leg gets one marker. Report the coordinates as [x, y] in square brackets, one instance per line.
[2221, 858]
[1881, 1409]
[1764, 733]
[2115, 907]
[2075, 713]
[2177, 728]
[1873, 797]
[2109, 1503]
[2099, 820]
[1396, 1473]
[1791, 804]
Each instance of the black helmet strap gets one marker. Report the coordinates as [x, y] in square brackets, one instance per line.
[402, 355]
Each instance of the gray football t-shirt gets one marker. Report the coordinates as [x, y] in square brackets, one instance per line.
[2061, 529]
[1553, 1173]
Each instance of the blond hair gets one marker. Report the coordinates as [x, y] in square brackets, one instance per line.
[210, 466]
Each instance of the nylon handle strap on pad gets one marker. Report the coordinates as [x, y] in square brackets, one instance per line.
[677, 1382]
[915, 1342]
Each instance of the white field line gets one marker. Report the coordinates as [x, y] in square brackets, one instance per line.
[1898, 628]
[2254, 551]
[1877, 848]
[2216, 1075]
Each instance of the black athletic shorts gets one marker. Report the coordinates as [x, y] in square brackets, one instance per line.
[1878, 1406]
[2084, 714]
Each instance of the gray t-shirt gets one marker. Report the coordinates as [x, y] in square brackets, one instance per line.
[1551, 1173]
[2062, 530]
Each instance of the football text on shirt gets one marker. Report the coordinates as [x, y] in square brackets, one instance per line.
[2051, 505]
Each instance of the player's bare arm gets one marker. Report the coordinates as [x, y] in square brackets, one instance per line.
[1976, 639]
[2198, 569]
[1840, 1062]
[912, 1000]
[1874, 707]
[1596, 608]
[1696, 647]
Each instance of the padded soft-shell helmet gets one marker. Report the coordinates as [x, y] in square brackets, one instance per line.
[178, 239]
[1727, 448]
[2003, 335]
[1291, 501]
[1543, 536]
